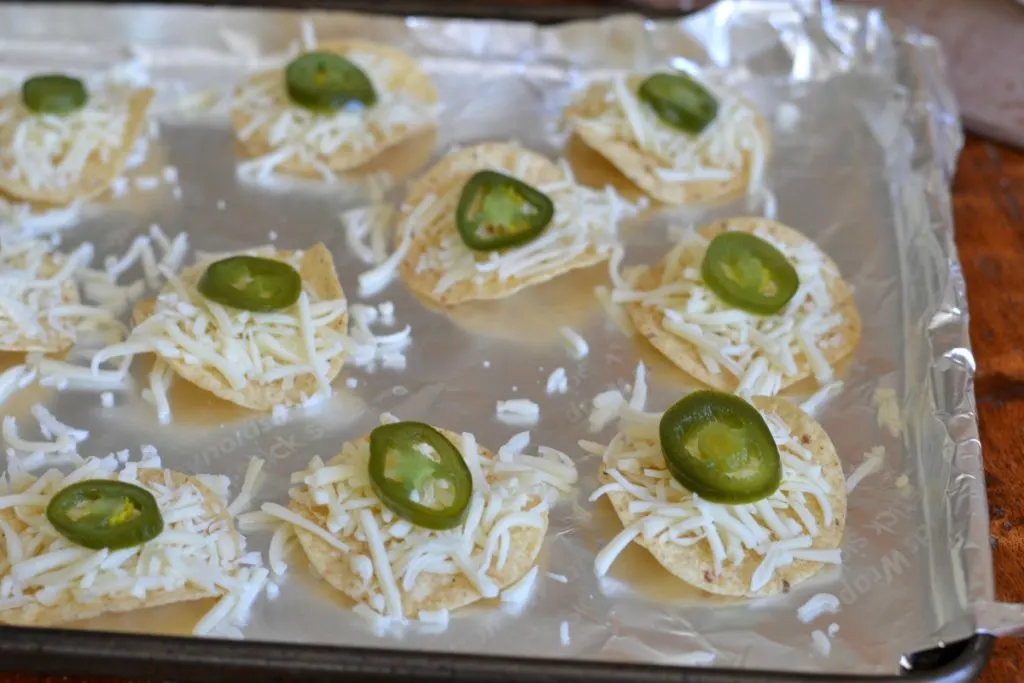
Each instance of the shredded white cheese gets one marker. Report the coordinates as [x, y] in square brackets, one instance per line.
[59, 447]
[731, 143]
[762, 353]
[815, 401]
[49, 153]
[250, 484]
[367, 232]
[888, 408]
[874, 461]
[820, 603]
[821, 643]
[297, 135]
[575, 342]
[29, 222]
[510, 492]
[585, 222]
[13, 379]
[38, 308]
[198, 550]
[518, 411]
[779, 529]
[242, 347]
[369, 350]
[605, 408]
[557, 382]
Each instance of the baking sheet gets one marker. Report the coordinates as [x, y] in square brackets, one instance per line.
[866, 139]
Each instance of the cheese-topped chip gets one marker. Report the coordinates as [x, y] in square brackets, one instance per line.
[733, 350]
[297, 141]
[674, 167]
[40, 308]
[255, 360]
[754, 549]
[438, 265]
[396, 570]
[47, 580]
[57, 159]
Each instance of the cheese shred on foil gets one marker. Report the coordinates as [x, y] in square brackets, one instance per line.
[510, 490]
[45, 578]
[778, 529]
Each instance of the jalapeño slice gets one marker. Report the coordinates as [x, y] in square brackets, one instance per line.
[251, 283]
[101, 513]
[327, 82]
[399, 471]
[53, 94]
[747, 273]
[679, 101]
[718, 446]
[497, 211]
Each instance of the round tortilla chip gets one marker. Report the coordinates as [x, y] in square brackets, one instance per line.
[98, 173]
[317, 271]
[639, 165]
[695, 565]
[62, 612]
[430, 591]
[648, 319]
[53, 340]
[407, 76]
[444, 180]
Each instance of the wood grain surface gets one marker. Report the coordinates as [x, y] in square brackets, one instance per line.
[988, 204]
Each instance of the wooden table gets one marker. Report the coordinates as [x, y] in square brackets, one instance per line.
[988, 205]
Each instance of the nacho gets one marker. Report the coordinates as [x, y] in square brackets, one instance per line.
[811, 509]
[57, 160]
[438, 266]
[260, 362]
[296, 141]
[85, 587]
[720, 163]
[503, 550]
[676, 322]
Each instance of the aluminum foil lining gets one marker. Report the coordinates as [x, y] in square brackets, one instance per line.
[866, 138]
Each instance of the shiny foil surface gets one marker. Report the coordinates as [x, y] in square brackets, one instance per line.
[865, 142]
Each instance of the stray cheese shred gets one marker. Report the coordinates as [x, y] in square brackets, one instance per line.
[888, 407]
